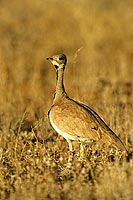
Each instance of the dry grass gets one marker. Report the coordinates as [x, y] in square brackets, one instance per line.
[97, 38]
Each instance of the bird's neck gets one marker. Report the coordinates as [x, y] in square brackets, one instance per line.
[60, 90]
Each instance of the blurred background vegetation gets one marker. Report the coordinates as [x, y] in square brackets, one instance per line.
[96, 36]
[31, 31]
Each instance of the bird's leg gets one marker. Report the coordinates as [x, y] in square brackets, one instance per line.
[70, 145]
[81, 150]
[71, 151]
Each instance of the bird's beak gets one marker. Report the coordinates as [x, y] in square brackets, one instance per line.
[49, 59]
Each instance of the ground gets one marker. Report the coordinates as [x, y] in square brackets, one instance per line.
[97, 38]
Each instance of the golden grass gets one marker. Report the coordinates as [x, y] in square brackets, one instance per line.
[97, 38]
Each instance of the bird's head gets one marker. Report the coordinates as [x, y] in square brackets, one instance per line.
[59, 61]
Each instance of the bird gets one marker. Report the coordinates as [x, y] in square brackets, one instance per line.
[74, 120]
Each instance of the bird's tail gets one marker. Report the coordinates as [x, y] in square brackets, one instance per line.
[111, 138]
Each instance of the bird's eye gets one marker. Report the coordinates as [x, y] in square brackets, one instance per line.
[61, 58]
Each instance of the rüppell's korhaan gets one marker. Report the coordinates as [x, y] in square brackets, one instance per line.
[74, 120]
